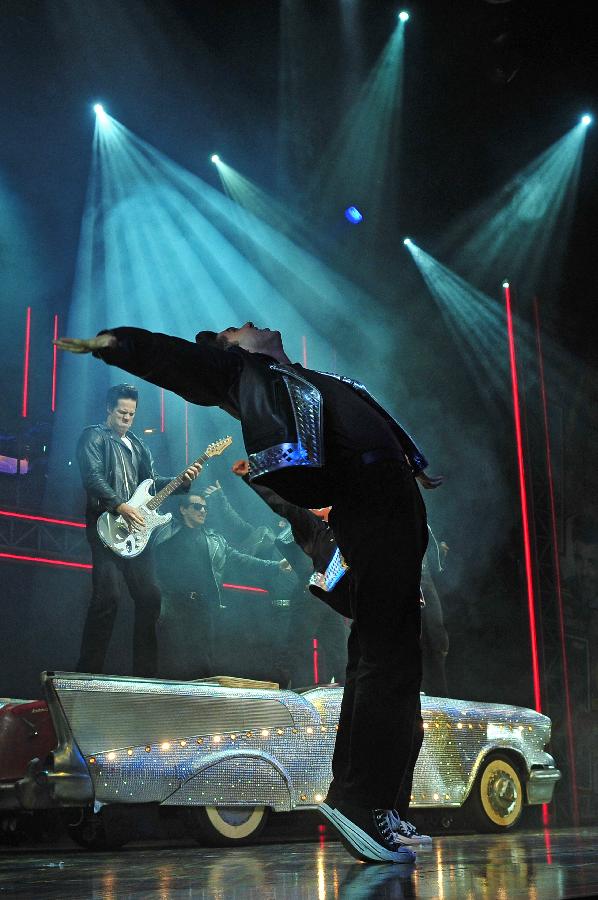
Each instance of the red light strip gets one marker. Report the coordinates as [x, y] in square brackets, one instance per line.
[315, 654]
[54, 364]
[557, 572]
[186, 433]
[244, 587]
[14, 515]
[548, 845]
[531, 603]
[26, 363]
[78, 565]
[46, 562]
[162, 410]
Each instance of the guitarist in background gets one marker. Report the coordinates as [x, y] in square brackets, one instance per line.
[113, 462]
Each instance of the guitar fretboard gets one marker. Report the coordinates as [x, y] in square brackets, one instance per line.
[161, 496]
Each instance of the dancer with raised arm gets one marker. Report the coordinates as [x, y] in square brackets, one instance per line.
[321, 440]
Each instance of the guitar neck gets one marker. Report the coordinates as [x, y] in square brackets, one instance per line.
[161, 496]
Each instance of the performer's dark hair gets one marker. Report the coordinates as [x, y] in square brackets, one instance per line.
[185, 499]
[211, 337]
[121, 391]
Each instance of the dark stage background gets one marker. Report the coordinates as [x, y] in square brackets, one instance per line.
[274, 88]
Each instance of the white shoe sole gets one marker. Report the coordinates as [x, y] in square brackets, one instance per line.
[360, 844]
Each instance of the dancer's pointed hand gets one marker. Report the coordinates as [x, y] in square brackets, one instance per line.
[85, 345]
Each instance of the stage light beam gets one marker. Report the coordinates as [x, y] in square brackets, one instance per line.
[403, 16]
[586, 119]
[215, 158]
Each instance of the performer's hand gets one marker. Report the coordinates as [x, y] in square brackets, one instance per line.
[132, 516]
[241, 467]
[192, 473]
[429, 482]
[322, 513]
[85, 345]
[212, 488]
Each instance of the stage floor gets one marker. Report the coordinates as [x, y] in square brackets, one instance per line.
[543, 865]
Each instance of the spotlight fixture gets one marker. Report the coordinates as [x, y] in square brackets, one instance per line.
[100, 112]
[505, 284]
[215, 158]
[353, 215]
[403, 16]
[407, 241]
[586, 120]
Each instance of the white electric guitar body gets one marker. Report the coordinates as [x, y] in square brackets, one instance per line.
[113, 529]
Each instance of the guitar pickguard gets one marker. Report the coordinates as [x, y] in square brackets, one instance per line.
[115, 534]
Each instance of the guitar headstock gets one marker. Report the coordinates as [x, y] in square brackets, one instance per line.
[218, 447]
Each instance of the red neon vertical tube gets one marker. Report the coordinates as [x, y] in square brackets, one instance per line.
[315, 655]
[304, 345]
[531, 601]
[54, 364]
[186, 433]
[162, 410]
[26, 363]
[557, 571]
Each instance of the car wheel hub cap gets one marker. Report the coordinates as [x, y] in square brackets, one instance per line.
[502, 793]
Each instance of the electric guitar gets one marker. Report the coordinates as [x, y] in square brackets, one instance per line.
[113, 529]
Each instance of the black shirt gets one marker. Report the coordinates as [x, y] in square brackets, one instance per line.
[184, 564]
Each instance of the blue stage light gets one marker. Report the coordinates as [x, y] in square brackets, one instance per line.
[586, 120]
[407, 241]
[215, 158]
[353, 215]
[404, 16]
[102, 116]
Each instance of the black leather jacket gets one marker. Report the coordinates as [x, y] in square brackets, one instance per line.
[281, 412]
[106, 471]
[222, 557]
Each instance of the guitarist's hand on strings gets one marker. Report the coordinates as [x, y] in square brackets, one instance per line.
[132, 516]
[191, 473]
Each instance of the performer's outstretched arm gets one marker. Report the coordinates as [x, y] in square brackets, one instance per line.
[200, 373]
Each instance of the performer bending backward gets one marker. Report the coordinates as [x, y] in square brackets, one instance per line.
[311, 532]
[113, 462]
[321, 440]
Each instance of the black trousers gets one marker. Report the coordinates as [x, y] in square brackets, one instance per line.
[186, 637]
[379, 522]
[109, 571]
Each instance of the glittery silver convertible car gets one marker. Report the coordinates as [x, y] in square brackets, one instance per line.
[227, 753]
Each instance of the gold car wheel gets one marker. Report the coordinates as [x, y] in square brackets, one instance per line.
[501, 792]
[225, 826]
[235, 823]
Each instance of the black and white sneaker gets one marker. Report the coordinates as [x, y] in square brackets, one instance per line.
[406, 833]
[367, 833]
